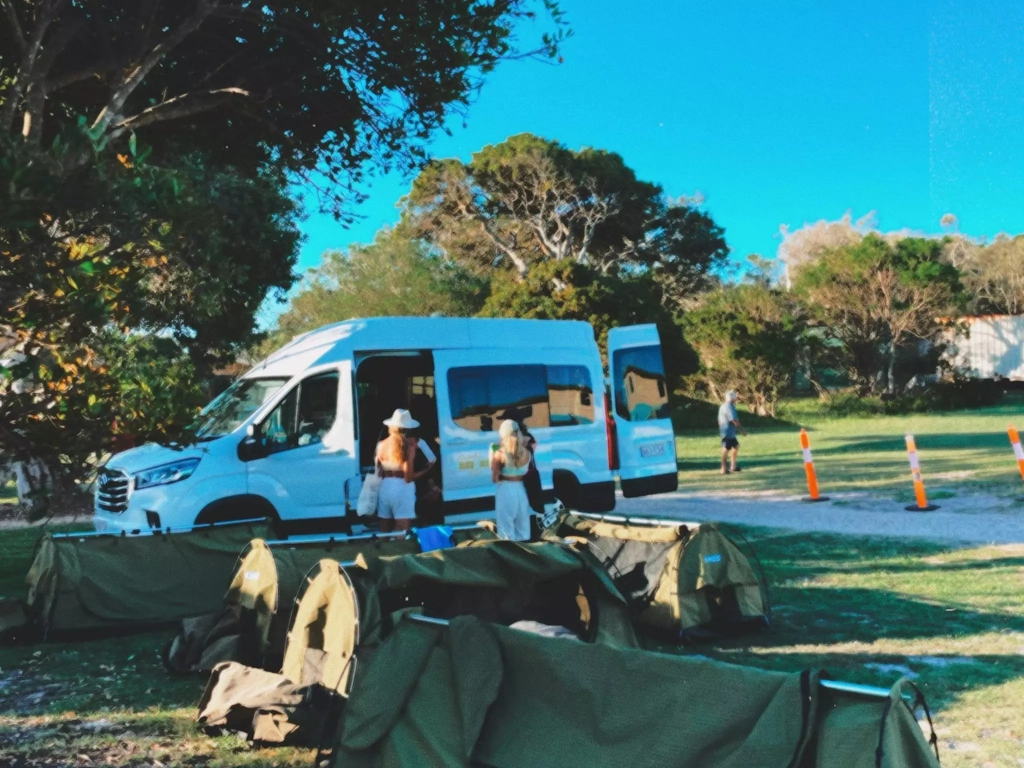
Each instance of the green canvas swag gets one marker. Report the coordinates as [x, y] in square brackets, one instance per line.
[251, 625]
[684, 581]
[474, 694]
[92, 581]
[343, 614]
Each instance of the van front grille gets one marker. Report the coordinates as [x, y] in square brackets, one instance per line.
[112, 490]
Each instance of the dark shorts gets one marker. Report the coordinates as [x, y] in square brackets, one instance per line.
[728, 443]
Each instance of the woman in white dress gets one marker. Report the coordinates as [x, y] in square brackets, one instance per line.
[510, 461]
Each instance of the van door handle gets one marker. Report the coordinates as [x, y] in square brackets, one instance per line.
[457, 441]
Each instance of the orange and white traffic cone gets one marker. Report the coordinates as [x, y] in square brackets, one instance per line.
[915, 472]
[1018, 451]
[812, 476]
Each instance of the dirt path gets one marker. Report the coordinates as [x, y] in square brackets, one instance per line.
[975, 519]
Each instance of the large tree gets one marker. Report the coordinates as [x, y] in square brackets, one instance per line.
[136, 250]
[992, 272]
[878, 296]
[319, 87]
[749, 338]
[567, 290]
[530, 201]
[394, 275]
[232, 101]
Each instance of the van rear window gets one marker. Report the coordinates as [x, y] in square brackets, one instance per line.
[481, 397]
[641, 393]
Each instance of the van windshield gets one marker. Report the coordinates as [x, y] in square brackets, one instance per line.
[234, 405]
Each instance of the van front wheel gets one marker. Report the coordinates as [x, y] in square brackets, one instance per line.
[246, 507]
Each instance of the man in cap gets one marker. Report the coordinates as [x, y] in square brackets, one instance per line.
[728, 423]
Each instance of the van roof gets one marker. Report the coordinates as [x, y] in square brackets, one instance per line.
[340, 341]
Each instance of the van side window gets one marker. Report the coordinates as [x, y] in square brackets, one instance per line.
[305, 414]
[570, 395]
[641, 393]
[481, 397]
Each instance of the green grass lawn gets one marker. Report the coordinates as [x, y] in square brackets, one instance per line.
[867, 610]
[959, 450]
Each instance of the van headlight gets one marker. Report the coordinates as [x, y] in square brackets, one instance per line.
[166, 473]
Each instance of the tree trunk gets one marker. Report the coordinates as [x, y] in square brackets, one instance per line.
[891, 371]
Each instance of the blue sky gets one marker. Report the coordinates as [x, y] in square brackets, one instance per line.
[778, 113]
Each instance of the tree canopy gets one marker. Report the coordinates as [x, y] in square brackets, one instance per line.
[318, 87]
[749, 338]
[146, 154]
[394, 275]
[878, 295]
[530, 201]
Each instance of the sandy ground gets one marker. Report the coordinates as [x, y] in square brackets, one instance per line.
[974, 518]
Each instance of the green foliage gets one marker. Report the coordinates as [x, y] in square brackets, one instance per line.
[528, 201]
[993, 273]
[326, 88]
[567, 290]
[876, 297]
[393, 276]
[956, 393]
[748, 338]
[134, 246]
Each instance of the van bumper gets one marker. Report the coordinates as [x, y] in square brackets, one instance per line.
[649, 486]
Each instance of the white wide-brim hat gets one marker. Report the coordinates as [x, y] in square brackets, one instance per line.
[402, 419]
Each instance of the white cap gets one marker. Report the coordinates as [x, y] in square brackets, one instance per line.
[508, 427]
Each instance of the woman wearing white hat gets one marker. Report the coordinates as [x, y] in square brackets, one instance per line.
[396, 504]
[510, 461]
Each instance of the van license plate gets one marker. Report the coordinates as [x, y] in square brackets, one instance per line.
[647, 451]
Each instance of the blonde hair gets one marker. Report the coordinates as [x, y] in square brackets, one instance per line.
[399, 446]
[514, 450]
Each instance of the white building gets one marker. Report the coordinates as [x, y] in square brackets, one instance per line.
[991, 346]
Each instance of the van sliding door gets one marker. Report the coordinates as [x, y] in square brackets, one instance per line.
[640, 410]
[477, 390]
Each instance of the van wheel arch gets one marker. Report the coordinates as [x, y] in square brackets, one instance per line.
[589, 497]
[567, 488]
[242, 507]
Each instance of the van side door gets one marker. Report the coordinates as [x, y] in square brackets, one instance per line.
[477, 389]
[306, 448]
[644, 437]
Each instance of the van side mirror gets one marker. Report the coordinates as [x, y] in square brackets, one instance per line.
[252, 446]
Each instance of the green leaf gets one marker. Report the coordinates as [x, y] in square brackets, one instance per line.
[132, 144]
[72, 283]
[87, 267]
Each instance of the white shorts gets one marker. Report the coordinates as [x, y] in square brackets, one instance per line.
[397, 499]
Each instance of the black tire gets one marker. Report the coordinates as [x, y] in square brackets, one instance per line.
[567, 490]
[239, 508]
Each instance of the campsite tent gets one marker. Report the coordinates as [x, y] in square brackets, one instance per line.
[504, 582]
[682, 580]
[476, 694]
[343, 614]
[293, 705]
[98, 580]
[251, 624]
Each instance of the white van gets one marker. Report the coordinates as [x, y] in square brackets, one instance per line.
[293, 438]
